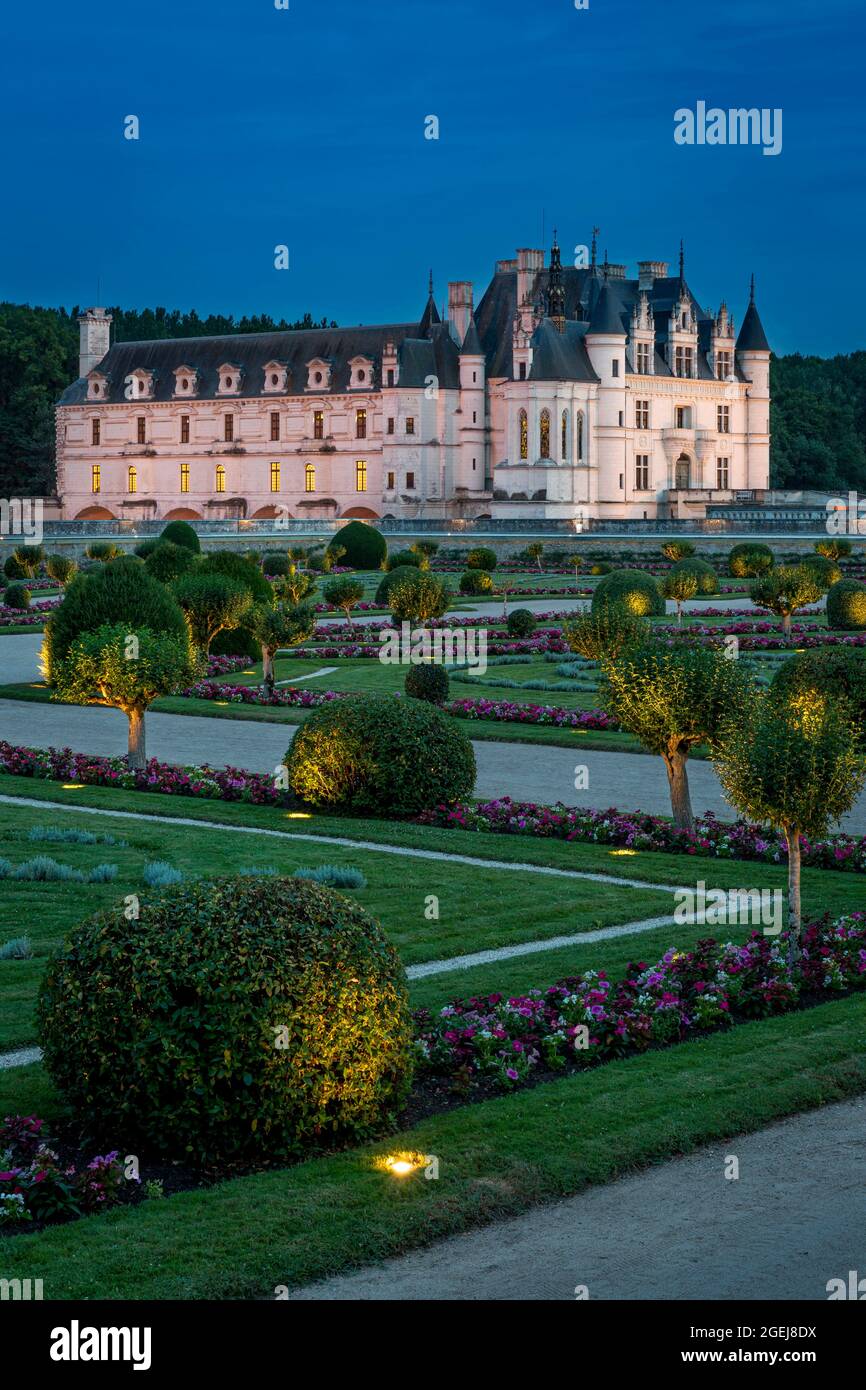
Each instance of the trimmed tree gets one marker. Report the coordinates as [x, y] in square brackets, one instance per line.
[364, 548]
[418, 599]
[785, 590]
[827, 572]
[797, 769]
[168, 561]
[833, 547]
[241, 570]
[750, 559]
[677, 550]
[295, 586]
[211, 603]
[126, 668]
[604, 634]
[846, 605]
[28, 558]
[346, 593]
[635, 589]
[807, 680]
[679, 585]
[62, 568]
[279, 628]
[671, 699]
[181, 533]
[535, 551]
[708, 580]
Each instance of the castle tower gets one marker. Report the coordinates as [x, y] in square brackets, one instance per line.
[753, 359]
[94, 329]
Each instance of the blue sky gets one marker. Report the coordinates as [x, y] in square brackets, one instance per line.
[305, 127]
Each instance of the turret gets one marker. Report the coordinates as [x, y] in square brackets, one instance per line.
[94, 333]
[753, 359]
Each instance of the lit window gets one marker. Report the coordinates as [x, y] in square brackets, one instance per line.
[220, 478]
[360, 475]
[141, 429]
[524, 435]
[131, 480]
[275, 424]
[310, 478]
[360, 424]
[95, 478]
[544, 435]
[275, 477]
[722, 473]
[228, 428]
[184, 477]
[410, 424]
[318, 424]
[184, 429]
[641, 472]
[94, 438]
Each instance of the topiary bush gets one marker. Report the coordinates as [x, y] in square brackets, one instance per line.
[520, 622]
[122, 592]
[707, 579]
[103, 551]
[364, 548]
[239, 568]
[409, 572]
[145, 548]
[476, 582]
[834, 547]
[13, 570]
[380, 755]
[168, 561]
[825, 570]
[632, 589]
[244, 1017]
[28, 559]
[604, 634]
[750, 559]
[417, 600]
[600, 567]
[181, 533]
[678, 550]
[404, 558]
[17, 596]
[428, 681]
[806, 680]
[62, 568]
[275, 562]
[481, 558]
[846, 605]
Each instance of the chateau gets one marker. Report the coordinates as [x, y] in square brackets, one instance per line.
[565, 393]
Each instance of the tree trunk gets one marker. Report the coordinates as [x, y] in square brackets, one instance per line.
[676, 766]
[136, 755]
[794, 914]
[786, 625]
[268, 669]
[679, 614]
[348, 613]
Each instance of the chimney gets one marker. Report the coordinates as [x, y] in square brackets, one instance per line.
[94, 328]
[529, 263]
[503, 267]
[649, 271]
[459, 308]
[616, 272]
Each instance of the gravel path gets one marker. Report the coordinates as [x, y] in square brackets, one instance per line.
[788, 1224]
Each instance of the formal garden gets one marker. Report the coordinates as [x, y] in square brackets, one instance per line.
[262, 1027]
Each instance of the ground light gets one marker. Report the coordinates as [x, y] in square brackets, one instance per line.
[299, 815]
[400, 1165]
[73, 786]
[617, 852]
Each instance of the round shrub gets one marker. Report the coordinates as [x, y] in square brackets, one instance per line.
[750, 559]
[678, 550]
[707, 579]
[364, 547]
[476, 582]
[481, 558]
[846, 605]
[17, 596]
[520, 622]
[61, 567]
[825, 570]
[632, 589]
[810, 677]
[600, 567]
[408, 572]
[29, 558]
[428, 681]
[276, 562]
[122, 592]
[403, 558]
[418, 599]
[380, 755]
[242, 570]
[181, 533]
[13, 569]
[603, 634]
[834, 547]
[104, 551]
[169, 561]
[240, 1017]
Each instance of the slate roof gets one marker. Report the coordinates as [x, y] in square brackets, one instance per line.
[752, 337]
[560, 356]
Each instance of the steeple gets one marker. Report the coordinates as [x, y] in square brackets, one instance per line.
[431, 313]
[555, 290]
[752, 337]
[682, 267]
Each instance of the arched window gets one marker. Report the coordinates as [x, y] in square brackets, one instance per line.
[220, 478]
[131, 480]
[564, 450]
[544, 435]
[524, 435]
[310, 477]
[580, 434]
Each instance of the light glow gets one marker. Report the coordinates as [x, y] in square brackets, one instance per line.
[74, 786]
[400, 1165]
[617, 852]
[298, 815]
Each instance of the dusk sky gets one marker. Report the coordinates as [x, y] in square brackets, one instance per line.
[305, 126]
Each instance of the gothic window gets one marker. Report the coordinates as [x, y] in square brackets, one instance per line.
[95, 478]
[580, 435]
[564, 450]
[131, 480]
[361, 475]
[723, 365]
[275, 477]
[184, 477]
[524, 435]
[220, 478]
[544, 435]
[310, 478]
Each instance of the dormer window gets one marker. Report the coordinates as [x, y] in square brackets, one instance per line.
[275, 377]
[140, 385]
[229, 376]
[185, 380]
[361, 374]
[97, 386]
[318, 375]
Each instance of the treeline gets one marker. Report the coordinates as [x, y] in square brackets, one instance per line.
[817, 418]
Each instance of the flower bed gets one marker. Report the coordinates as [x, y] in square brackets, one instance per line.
[258, 695]
[638, 832]
[588, 1018]
[510, 712]
[225, 665]
[37, 1186]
